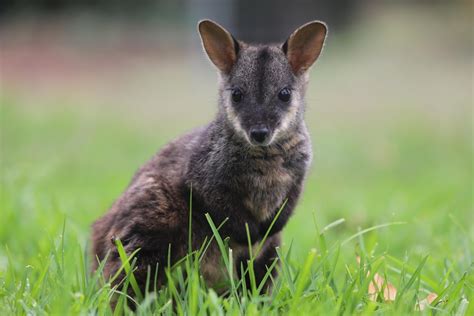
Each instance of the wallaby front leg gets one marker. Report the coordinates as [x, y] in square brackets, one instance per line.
[261, 265]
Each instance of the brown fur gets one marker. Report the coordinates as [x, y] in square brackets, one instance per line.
[221, 168]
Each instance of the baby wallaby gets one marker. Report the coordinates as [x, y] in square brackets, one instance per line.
[241, 168]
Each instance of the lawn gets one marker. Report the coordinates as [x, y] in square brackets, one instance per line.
[388, 204]
[400, 199]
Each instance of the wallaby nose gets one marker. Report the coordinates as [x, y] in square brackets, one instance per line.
[259, 135]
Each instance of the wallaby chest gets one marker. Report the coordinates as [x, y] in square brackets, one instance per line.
[266, 185]
[269, 177]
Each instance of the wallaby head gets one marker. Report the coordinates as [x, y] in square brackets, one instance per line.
[262, 87]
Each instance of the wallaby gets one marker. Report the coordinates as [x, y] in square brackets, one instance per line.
[241, 169]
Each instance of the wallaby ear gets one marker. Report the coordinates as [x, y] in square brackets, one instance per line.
[304, 46]
[220, 45]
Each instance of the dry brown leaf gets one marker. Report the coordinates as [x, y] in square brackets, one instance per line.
[421, 305]
[378, 285]
[390, 292]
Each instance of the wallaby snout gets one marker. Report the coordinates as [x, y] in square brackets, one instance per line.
[259, 136]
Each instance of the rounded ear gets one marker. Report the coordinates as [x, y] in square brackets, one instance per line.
[219, 45]
[304, 45]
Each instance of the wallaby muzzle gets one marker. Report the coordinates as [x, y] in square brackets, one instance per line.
[260, 136]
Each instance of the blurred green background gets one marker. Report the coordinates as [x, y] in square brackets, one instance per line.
[91, 89]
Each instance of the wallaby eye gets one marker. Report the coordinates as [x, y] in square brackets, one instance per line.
[236, 95]
[284, 94]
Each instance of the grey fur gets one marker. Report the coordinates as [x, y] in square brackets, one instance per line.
[230, 177]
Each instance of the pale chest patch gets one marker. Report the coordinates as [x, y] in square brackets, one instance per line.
[268, 188]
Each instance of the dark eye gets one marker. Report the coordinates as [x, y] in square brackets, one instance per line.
[284, 94]
[236, 95]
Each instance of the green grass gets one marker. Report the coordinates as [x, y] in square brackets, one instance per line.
[398, 196]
